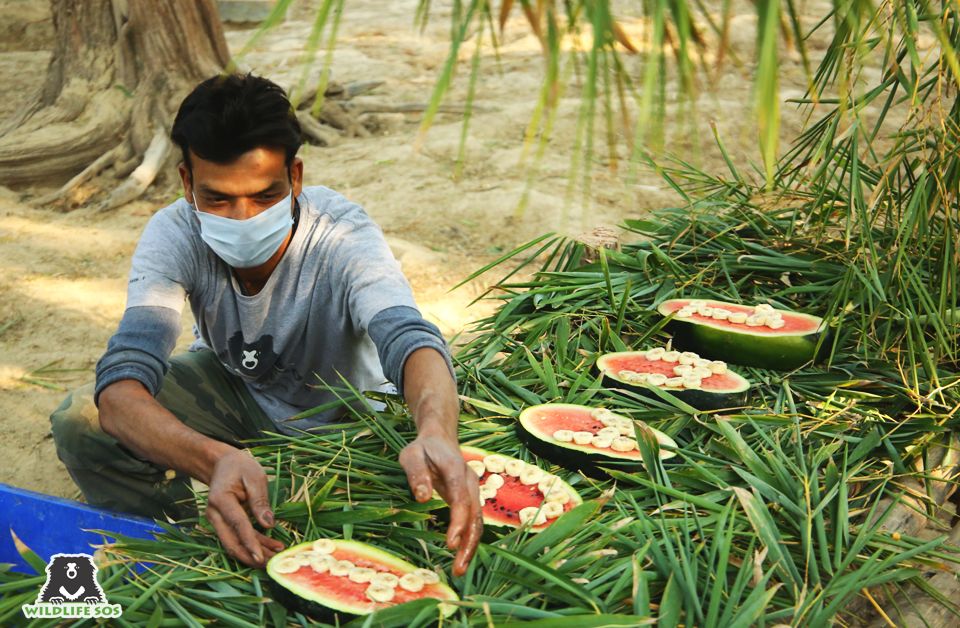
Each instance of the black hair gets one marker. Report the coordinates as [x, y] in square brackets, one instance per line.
[228, 115]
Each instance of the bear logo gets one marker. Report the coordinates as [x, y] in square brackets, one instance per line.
[250, 360]
[71, 578]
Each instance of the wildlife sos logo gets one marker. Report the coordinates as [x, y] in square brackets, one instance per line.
[71, 591]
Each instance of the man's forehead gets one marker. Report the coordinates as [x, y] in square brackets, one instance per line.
[255, 171]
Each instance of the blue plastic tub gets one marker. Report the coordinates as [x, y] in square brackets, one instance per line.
[51, 525]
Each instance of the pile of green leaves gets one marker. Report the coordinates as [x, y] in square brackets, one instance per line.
[772, 513]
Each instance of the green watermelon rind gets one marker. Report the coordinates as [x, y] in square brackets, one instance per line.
[574, 495]
[313, 604]
[746, 346]
[698, 398]
[580, 457]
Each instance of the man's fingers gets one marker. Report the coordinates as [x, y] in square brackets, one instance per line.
[458, 497]
[469, 546]
[236, 518]
[227, 537]
[272, 546]
[414, 463]
[256, 488]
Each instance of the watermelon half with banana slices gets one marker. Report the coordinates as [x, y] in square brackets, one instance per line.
[749, 335]
[701, 383]
[585, 438]
[514, 493]
[327, 576]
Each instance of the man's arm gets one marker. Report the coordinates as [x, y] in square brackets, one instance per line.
[129, 413]
[433, 461]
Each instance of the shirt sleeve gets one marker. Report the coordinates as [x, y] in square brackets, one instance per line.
[157, 286]
[398, 332]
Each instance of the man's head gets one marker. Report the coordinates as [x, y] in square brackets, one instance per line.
[239, 137]
[226, 116]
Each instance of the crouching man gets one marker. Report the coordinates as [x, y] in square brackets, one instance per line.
[286, 284]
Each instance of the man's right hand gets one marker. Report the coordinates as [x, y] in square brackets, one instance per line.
[238, 486]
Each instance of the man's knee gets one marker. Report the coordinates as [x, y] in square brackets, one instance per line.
[74, 424]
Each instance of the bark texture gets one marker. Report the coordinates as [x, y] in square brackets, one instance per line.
[118, 72]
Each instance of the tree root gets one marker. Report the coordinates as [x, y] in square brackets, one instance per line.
[141, 178]
[320, 133]
[104, 161]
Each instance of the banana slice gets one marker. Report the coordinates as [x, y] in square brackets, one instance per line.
[361, 575]
[700, 371]
[763, 307]
[654, 354]
[321, 563]
[623, 444]
[717, 367]
[552, 510]
[776, 323]
[685, 312]
[531, 475]
[611, 432]
[385, 579]
[428, 576]
[692, 383]
[487, 492]
[559, 495]
[720, 314]
[756, 320]
[564, 436]
[547, 483]
[687, 358]
[701, 363]
[602, 413]
[656, 379]
[581, 438]
[494, 481]
[379, 593]
[602, 442]
[341, 568]
[738, 318]
[514, 467]
[670, 356]
[683, 369]
[673, 382]
[323, 546]
[494, 463]
[411, 582]
[288, 564]
[635, 378]
[532, 514]
[477, 467]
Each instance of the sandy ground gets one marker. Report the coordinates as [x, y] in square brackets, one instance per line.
[63, 275]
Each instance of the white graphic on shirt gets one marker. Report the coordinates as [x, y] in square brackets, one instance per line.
[250, 360]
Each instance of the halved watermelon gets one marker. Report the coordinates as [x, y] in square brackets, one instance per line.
[523, 492]
[749, 335]
[327, 575]
[705, 384]
[571, 435]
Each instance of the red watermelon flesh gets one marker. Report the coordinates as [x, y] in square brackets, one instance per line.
[512, 497]
[576, 419]
[354, 593]
[793, 323]
[637, 363]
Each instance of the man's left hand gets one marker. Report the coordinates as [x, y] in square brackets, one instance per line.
[433, 462]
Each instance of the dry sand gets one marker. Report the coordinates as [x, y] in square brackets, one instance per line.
[63, 274]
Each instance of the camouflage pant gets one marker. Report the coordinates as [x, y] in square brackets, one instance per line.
[199, 391]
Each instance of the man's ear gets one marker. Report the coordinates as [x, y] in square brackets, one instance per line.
[186, 181]
[296, 176]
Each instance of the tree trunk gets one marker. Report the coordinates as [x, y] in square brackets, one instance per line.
[118, 73]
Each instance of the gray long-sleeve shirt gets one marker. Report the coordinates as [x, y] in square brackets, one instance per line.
[336, 302]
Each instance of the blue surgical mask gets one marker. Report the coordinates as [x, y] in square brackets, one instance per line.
[247, 243]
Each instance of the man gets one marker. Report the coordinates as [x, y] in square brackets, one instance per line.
[287, 285]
